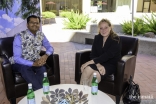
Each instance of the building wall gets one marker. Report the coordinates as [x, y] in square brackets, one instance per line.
[79, 5]
[153, 7]
[63, 5]
[139, 5]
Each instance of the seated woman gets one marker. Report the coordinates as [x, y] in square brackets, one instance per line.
[105, 53]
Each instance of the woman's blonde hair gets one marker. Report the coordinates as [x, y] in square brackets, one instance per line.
[112, 33]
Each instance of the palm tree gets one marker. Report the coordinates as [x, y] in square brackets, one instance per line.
[6, 5]
[27, 8]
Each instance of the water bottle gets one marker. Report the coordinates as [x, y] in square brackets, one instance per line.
[45, 84]
[94, 85]
[30, 95]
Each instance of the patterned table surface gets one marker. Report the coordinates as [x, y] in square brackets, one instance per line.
[100, 98]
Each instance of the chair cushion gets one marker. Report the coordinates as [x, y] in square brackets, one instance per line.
[18, 78]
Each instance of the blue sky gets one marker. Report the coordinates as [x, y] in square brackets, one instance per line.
[9, 21]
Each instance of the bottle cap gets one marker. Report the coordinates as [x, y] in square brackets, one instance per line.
[29, 84]
[94, 74]
[45, 73]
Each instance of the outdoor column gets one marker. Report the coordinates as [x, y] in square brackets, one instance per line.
[135, 5]
[41, 6]
[86, 6]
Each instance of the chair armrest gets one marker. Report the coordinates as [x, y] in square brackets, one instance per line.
[53, 62]
[80, 58]
[125, 68]
[8, 77]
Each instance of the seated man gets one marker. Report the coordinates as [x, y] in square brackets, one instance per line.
[26, 52]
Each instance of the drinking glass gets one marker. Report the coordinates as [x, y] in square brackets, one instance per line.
[85, 83]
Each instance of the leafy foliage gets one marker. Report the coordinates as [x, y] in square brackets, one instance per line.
[6, 5]
[76, 21]
[27, 8]
[54, 11]
[48, 14]
[139, 27]
[65, 14]
[151, 22]
[127, 27]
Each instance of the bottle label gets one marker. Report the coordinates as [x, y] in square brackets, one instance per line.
[31, 101]
[94, 89]
[45, 88]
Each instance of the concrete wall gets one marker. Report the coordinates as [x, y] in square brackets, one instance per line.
[146, 46]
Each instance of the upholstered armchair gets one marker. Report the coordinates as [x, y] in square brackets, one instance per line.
[114, 84]
[15, 85]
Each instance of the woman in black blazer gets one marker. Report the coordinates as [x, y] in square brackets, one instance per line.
[106, 51]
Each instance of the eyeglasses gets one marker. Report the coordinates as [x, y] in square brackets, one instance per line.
[34, 23]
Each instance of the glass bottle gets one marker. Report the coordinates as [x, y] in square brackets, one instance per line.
[30, 95]
[45, 84]
[94, 85]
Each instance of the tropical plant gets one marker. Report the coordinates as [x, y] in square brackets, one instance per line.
[76, 21]
[151, 21]
[48, 14]
[27, 8]
[65, 14]
[139, 27]
[127, 27]
[6, 5]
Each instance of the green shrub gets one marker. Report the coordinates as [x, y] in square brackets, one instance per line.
[65, 14]
[76, 21]
[151, 22]
[139, 27]
[127, 27]
[53, 11]
[48, 14]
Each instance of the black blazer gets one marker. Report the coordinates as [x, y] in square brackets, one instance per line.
[108, 55]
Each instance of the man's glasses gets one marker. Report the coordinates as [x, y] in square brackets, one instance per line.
[34, 23]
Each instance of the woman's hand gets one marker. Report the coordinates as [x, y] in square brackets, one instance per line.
[86, 64]
[101, 69]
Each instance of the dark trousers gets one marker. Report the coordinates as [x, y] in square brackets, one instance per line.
[32, 74]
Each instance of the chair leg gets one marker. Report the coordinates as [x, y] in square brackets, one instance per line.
[13, 101]
[117, 99]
